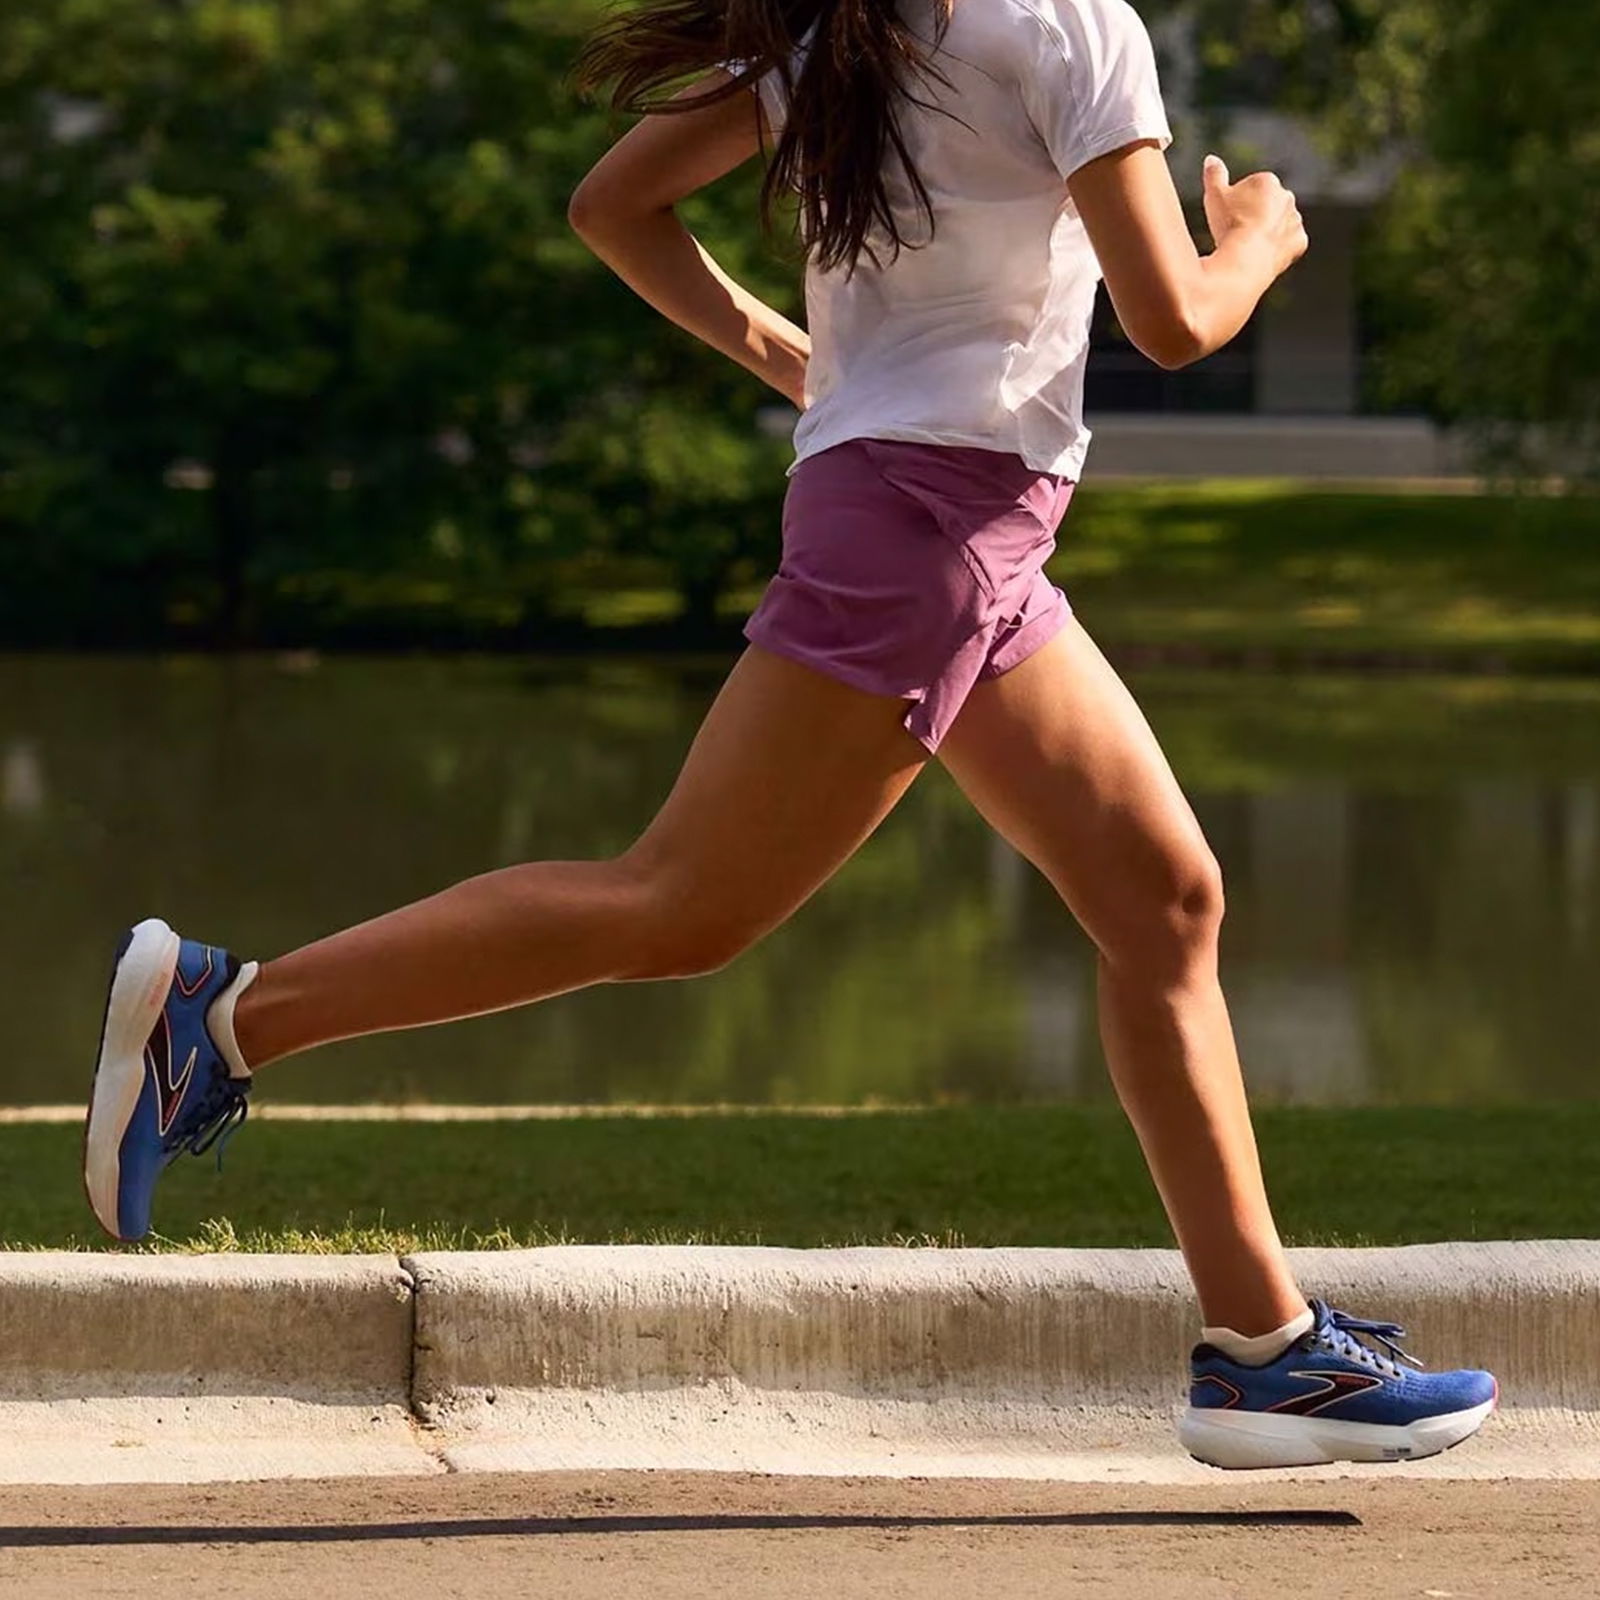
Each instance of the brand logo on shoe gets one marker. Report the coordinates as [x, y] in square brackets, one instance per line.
[1332, 1387]
[170, 1088]
[1215, 1393]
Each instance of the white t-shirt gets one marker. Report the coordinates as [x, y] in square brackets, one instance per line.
[980, 337]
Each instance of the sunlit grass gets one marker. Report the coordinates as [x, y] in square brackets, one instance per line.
[1041, 1175]
[1225, 568]
[1260, 566]
[629, 608]
[218, 1236]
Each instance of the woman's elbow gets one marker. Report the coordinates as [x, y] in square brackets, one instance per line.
[600, 217]
[596, 210]
[584, 211]
[1172, 343]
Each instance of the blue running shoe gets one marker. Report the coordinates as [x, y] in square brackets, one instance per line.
[161, 1085]
[1331, 1396]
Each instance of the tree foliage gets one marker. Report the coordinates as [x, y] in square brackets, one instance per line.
[1487, 259]
[287, 295]
[312, 261]
[1490, 265]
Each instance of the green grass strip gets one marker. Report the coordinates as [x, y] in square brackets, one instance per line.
[1058, 1175]
[1249, 569]
[1294, 572]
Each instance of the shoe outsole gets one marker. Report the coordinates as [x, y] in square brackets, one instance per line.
[1387, 1461]
[141, 976]
[105, 1022]
[1320, 1443]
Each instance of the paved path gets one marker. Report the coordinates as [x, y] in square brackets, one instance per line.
[659, 1537]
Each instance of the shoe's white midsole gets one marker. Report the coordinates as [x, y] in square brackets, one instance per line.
[139, 990]
[1246, 1439]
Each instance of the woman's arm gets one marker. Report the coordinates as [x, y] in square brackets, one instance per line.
[624, 212]
[1175, 304]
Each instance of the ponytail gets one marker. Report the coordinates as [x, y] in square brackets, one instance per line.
[842, 126]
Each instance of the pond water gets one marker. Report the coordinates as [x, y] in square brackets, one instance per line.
[1413, 869]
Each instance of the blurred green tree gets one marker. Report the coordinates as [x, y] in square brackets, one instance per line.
[1489, 265]
[289, 311]
[1486, 267]
[289, 288]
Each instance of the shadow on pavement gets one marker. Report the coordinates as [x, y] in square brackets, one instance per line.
[523, 1527]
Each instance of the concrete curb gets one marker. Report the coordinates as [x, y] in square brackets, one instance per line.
[140, 1368]
[1095, 1325]
[981, 1362]
[331, 1329]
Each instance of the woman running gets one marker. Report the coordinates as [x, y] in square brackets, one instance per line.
[965, 171]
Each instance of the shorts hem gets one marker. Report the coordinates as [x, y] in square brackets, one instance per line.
[1029, 642]
[864, 682]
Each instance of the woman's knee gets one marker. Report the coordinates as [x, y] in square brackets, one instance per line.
[679, 929]
[1170, 922]
[688, 948]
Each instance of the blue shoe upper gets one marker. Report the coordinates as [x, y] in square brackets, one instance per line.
[1334, 1372]
[189, 1100]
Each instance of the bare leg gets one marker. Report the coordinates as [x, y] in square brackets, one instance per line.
[790, 772]
[1059, 759]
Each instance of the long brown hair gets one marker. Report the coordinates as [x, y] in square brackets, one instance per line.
[842, 123]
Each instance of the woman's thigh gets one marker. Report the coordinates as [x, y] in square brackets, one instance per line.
[790, 772]
[1060, 760]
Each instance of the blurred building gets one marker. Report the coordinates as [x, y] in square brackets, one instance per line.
[1290, 397]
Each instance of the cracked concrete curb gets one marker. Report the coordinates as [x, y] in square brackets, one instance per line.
[185, 1368]
[981, 1362]
[326, 1328]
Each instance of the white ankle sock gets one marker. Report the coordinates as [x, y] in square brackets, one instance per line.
[219, 1019]
[1263, 1347]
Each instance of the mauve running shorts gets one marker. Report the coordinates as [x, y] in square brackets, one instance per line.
[913, 570]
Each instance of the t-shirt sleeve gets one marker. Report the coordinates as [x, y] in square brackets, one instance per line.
[770, 90]
[1090, 84]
